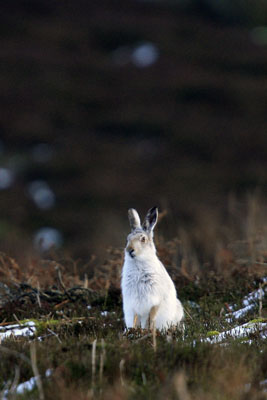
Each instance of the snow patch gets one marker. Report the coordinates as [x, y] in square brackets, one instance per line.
[249, 302]
[241, 331]
[104, 313]
[26, 329]
[26, 386]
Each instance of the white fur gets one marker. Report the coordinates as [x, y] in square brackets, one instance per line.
[146, 283]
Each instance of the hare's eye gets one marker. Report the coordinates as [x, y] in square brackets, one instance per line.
[143, 239]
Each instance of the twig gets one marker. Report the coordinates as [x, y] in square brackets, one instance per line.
[144, 379]
[14, 385]
[60, 278]
[143, 338]
[38, 295]
[61, 282]
[121, 366]
[181, 386]
[187, 312]
[7, 323]
[35, 370]
[154, 338]
[54, 334]
[102, 361]
[93, 361]
[16, 318]
[85, 285]
[260, 301]
[61, 304]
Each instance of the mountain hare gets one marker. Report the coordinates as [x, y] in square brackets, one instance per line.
[148, 292]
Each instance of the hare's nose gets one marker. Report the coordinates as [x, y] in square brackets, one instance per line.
[130, 251]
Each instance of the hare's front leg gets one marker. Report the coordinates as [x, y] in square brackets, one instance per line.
[136, 322]
[152, 317]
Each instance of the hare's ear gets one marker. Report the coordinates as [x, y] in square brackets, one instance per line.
[150, 219]
[134, 219]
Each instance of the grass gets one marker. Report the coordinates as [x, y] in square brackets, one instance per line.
[91, 356]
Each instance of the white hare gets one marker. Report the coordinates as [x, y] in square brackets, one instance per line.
[148, 292]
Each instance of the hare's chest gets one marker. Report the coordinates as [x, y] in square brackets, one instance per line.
[141, 284]
[142, 292]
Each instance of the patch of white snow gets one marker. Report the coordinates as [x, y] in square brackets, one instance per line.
[26, 329]
[240, 331]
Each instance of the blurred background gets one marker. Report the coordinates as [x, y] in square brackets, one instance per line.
[116, 104]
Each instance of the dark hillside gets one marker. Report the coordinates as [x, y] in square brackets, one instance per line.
[137, 104]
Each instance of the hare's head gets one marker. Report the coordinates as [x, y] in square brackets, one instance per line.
[140, 240]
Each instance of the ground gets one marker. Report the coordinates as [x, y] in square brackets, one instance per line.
[70, 333]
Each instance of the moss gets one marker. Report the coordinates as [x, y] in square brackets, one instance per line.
[42, 325]
[257, 320]
[212, 333]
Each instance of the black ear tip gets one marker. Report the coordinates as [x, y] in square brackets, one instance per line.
[153, 212]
